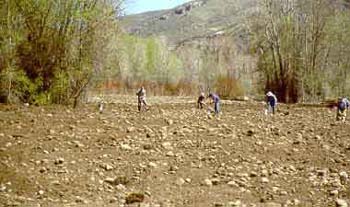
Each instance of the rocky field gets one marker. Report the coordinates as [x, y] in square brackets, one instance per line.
[173, 155]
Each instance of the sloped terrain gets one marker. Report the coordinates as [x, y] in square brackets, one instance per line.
[172, 155]
[196, 19]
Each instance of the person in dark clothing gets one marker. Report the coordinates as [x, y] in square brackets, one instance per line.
[141, 98]
[216, 100]
[271, 101]
[200, 101]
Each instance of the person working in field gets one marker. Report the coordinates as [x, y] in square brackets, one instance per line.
[216, 100]
[271, 101]
[200, 101]
[141, 98]
[342, 105]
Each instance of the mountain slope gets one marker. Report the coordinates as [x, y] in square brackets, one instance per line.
[199, 18]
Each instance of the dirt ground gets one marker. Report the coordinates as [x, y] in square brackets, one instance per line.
[173, 155]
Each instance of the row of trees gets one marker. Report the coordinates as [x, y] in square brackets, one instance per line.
[51, 50]
[186, 70]
[302, 48]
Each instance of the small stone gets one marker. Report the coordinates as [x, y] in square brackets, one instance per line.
[167, 145]
[218, 204]
[296, 202]
[134, 198]
[110, 180]
[180, 181]
[79, 199]
[41, 192]
[334, 193]
[122, 180]
[235, 203]
[78, 144]
[2, 188]
[125, 147]
[232, 183]
[147, 147]
[250, 132]
[215, 181]
[321, 172]
[59, 161]
[343, 177]
[130, 129]
[43, 170]
[341, 203]
[152, 164]
[207, 182]
[107, 167]
[170, 154]
[264, 180]
[271, 204]
[170, 122]
[120, 187]
[283, 193]
[253, 174]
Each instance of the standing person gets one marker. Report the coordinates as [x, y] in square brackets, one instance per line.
[271, 101]
[141, 98]
[343, 105]
[200, 101]
[216, 101]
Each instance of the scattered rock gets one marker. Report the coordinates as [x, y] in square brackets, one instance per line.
[264, 180]
[250, 132]
[341, 203]
[134, 198]
[59, 161]
[207, 182]
[236, 203]
[167, 145]
[152, 165]
[215, 181]
[106, 167]
[125, 147]
[180, 181]
[122, 180]
[232, 184]
[130, 129]
[334, 193]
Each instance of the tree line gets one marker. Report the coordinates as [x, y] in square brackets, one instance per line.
[302, 48]
[55, 51]
[51, 50]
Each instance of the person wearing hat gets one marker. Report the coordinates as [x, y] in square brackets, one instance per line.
[216, 100]
[342, 106]
[271, 101]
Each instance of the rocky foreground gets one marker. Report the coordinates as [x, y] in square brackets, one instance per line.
[173, 155]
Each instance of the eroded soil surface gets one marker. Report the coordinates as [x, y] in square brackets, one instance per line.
[173, 155]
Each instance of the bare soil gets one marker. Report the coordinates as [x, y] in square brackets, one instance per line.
[172, 155]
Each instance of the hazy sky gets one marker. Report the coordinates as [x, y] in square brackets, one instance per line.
[138, 6]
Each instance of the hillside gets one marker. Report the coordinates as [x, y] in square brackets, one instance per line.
[199, 18]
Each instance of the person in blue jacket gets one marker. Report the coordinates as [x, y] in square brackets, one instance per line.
[216, 100]
[342, 106]
[271, 101]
